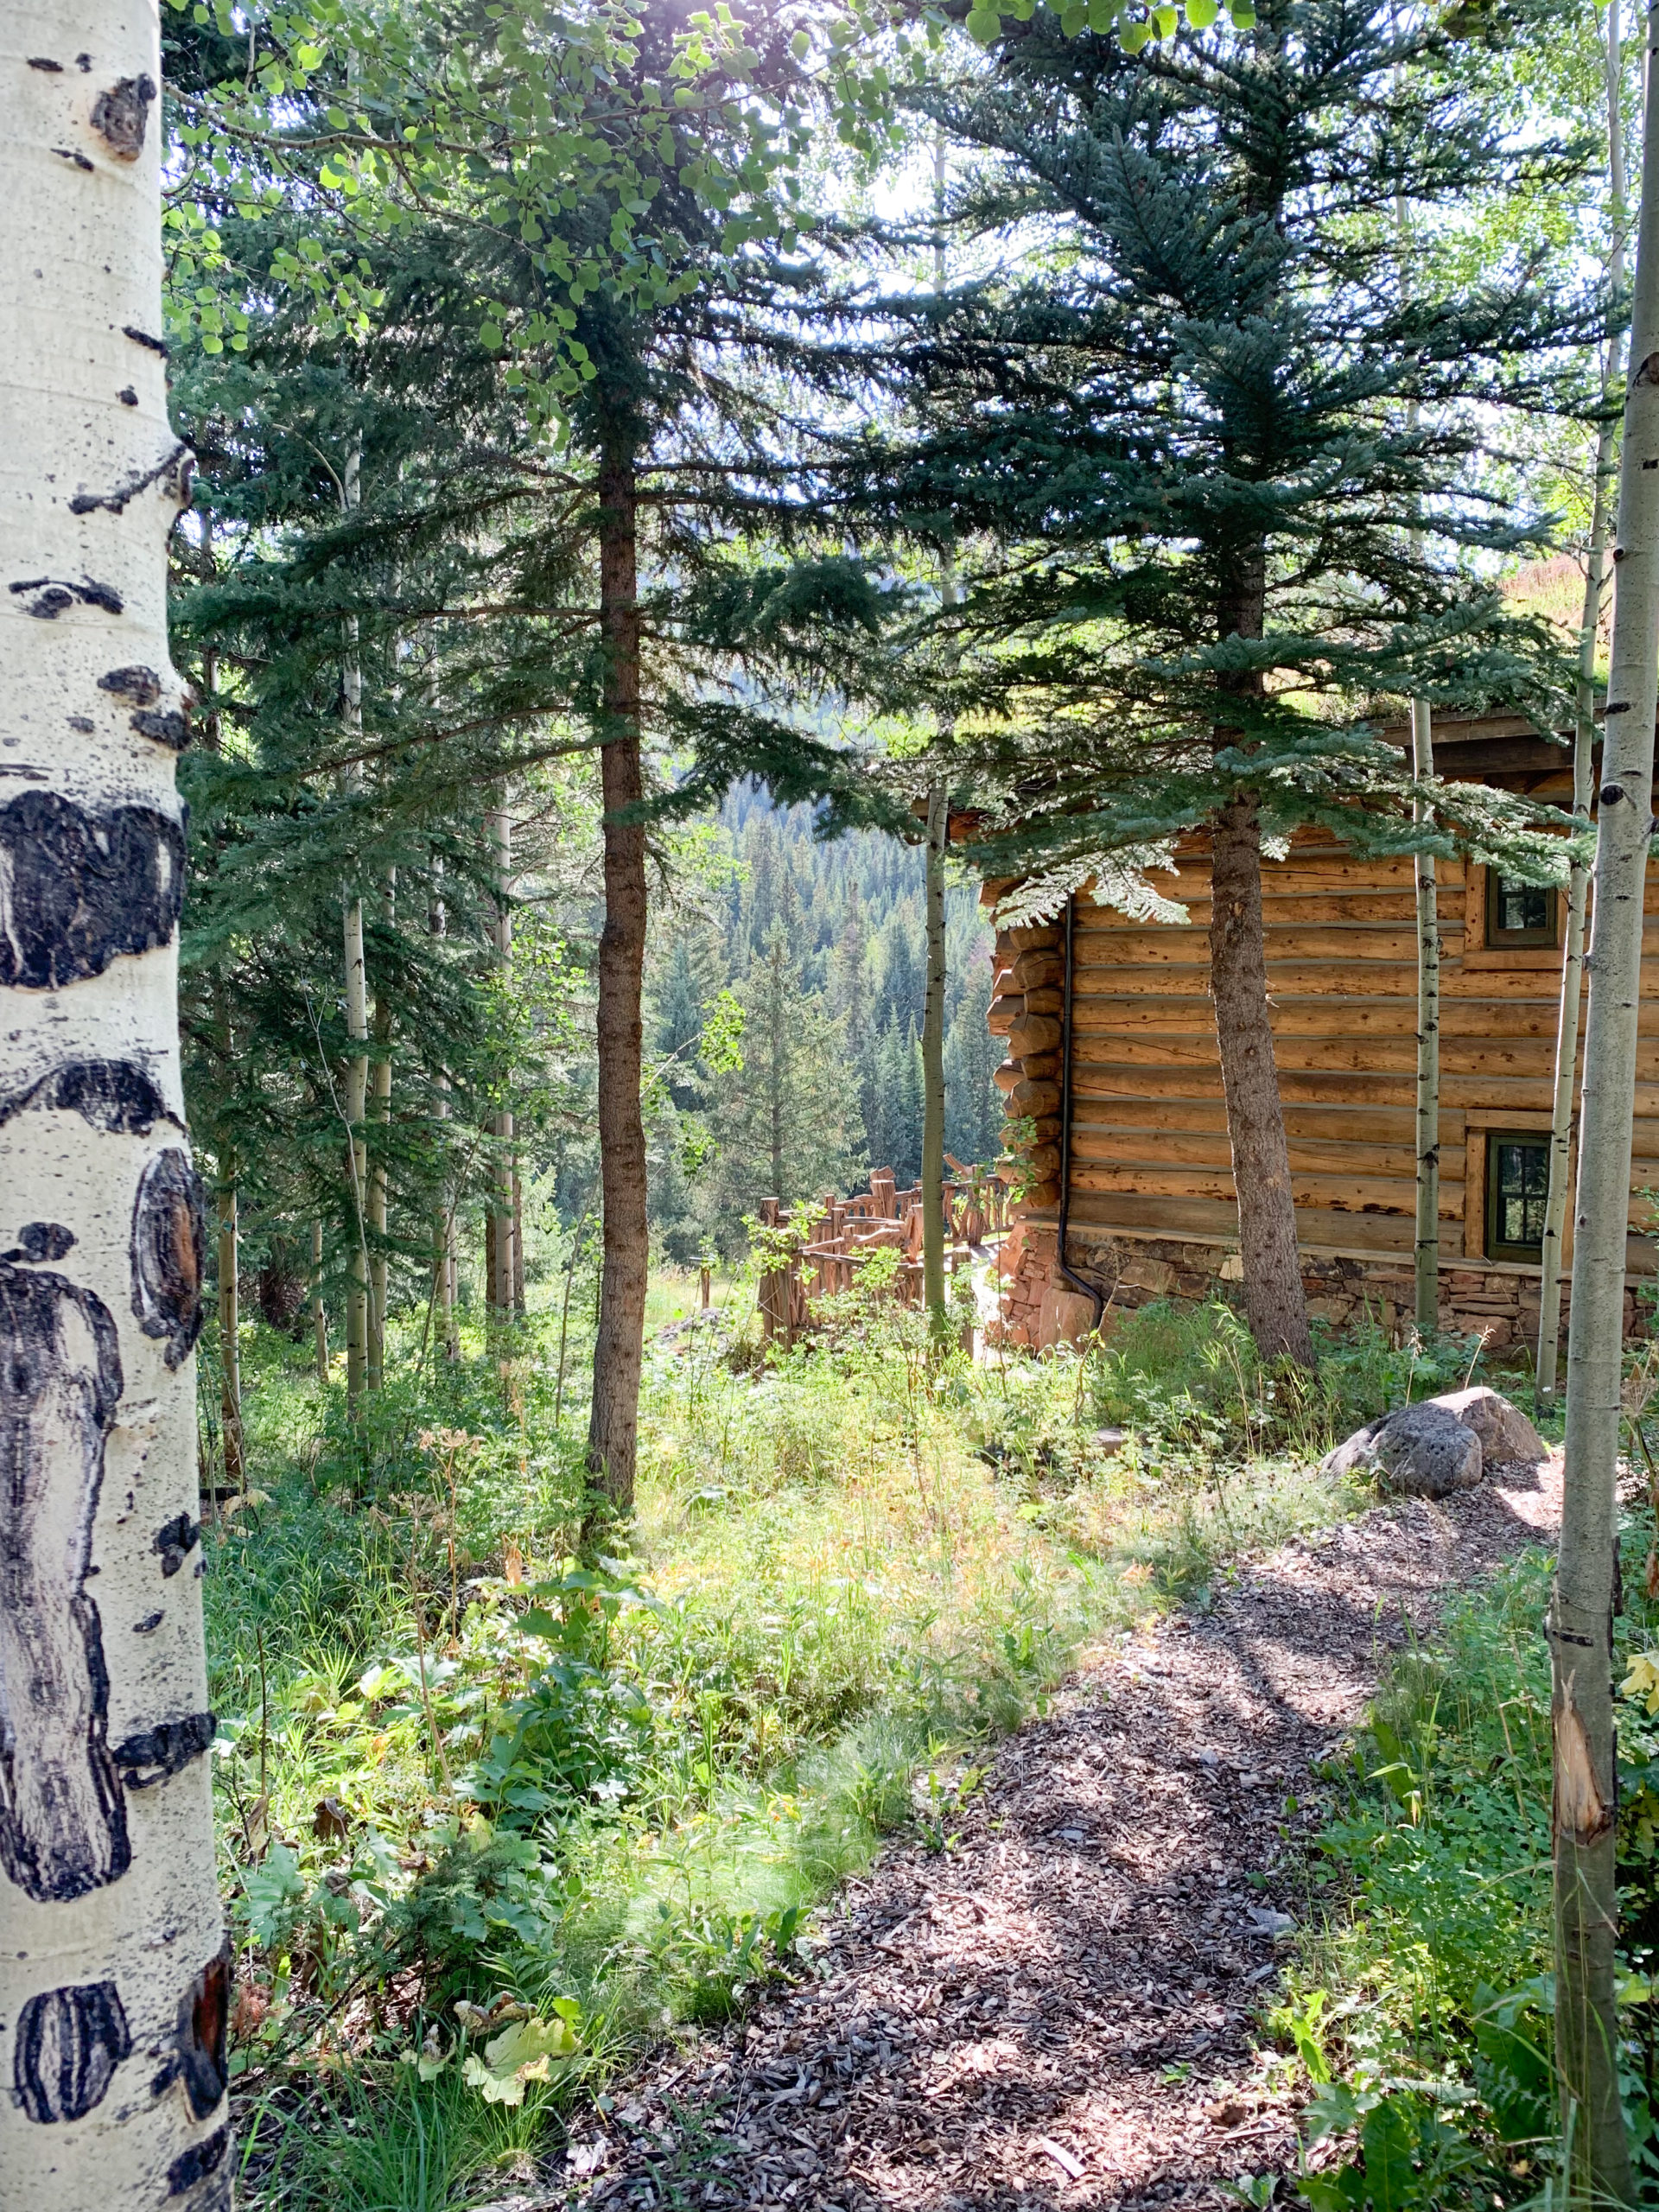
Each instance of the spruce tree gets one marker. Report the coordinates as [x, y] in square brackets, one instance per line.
[1194, 419]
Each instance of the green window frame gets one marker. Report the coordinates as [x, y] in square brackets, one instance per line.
[1519, 914]
[1517, 1188]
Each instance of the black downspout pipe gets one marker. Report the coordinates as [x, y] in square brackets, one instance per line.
[1097, 1296]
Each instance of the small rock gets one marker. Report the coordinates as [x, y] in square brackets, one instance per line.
[1505, 1433]
[1271, 1922]
[1420, 1451]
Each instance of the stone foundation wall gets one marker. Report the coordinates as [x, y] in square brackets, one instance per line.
[1040, 1309]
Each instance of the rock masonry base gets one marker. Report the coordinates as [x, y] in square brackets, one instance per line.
[1040, 1309]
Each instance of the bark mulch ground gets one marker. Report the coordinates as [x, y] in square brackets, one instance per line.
[1056, 2011]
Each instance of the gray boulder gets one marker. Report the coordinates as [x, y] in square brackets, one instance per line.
[1505, 1433]
[1420, 1451]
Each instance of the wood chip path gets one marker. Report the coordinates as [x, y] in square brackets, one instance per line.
[1058, 2011]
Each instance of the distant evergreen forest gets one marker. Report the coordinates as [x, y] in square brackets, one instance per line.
[785, 1005]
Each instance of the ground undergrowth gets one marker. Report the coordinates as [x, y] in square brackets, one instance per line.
[1420, 2008]
[494, 1815]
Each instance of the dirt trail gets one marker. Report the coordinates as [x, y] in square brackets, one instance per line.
[1056, 2012]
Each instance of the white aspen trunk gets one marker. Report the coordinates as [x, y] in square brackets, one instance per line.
[114, 1975]
[357, 1158]
[1427, 1246]
[1562, 1122]
[230, 1317]
[1581, 1610]
[933, 1067]
[319, 1311]
[380, 1090]
[502, 1266]
[443, 1227]
[381, 1099]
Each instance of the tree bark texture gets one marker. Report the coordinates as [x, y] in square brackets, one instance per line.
[1275, 1304]
[499, 1238]
[1563, 1120]
[1427, 1249]
[933, 1067]
[380, 1101]
[1581, 1610]
[618, 1350]
[357, 1158]
[319, 1309]
[230, 1317]
[113, 1974]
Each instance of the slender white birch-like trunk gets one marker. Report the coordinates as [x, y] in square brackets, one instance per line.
[502, 1269]
[229, 1322]
[319, 1309]
[933, 1069]
[1581, 1610]
[357, 1157]
[113, 1971]
[1583, 740]
[380, 1100]
[1427, 1248]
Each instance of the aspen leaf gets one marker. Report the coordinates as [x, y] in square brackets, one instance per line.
[1200, 14]
[1642, 1680]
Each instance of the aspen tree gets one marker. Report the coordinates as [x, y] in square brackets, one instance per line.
[933, 1067]
[1584, 1812]
[113, 1970]
[1584, 740]
[1427, 1246]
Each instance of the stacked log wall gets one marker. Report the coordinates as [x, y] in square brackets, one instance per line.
[1152, 1210]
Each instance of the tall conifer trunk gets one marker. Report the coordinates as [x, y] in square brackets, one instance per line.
[618, 1349]
[1275, 1304]
[113, 1974]
[1581, 1610]
[357, 1017]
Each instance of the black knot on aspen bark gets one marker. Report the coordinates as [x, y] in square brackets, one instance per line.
[120, 114]
[141, 686]
[69, 2043]
[1611, 794]
[169, 1252]
[171, 729]
[1648, 372]
[175, 1540]
[83, 887]
[40, 1240]
[63, 1829]
[117, 1097]
[198, 2162]
[154, 1754]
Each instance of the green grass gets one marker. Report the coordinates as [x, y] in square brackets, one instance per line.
[456, 1765]
[1420, 2004]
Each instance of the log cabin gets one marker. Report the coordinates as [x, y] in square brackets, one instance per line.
[1145, 1183]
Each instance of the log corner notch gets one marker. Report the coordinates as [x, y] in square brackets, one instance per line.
[1028, 1002]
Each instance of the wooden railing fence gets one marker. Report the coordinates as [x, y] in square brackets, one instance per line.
[882, 1218]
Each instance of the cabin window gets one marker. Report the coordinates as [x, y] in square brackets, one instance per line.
[1519, 913]
[1517, 1188]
